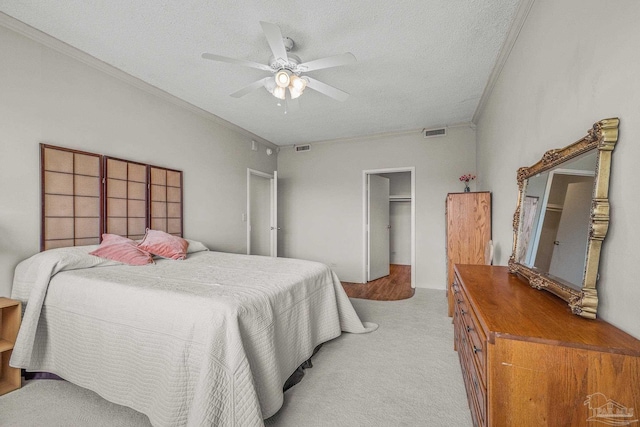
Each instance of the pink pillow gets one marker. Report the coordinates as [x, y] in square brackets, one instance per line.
[164, 244]
[121, 249]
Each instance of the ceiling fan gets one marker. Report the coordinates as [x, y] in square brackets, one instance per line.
[287, 69]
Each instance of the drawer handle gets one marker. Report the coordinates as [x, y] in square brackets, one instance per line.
[462, 311]
[476, 349]
[459, 301]
[469, 328]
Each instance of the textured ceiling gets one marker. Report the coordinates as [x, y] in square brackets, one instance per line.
[421, 63]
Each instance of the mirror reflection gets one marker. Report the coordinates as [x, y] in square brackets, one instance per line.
[555, 219]
[562, 218]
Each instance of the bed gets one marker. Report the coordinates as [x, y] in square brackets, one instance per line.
[208, 340]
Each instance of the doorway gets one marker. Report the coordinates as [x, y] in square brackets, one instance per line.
[388, 221]
[561, 239]
[262, 213]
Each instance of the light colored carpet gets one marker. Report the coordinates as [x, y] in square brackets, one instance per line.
[404, 374]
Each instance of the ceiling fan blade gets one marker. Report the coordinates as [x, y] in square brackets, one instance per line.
[274, 38]
[328, 62]
[324, 88]
[251, 64]
[250, 88]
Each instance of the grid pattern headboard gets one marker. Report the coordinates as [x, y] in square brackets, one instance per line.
[126, 198]
[71, 198]
[166, 200]
[86, 194]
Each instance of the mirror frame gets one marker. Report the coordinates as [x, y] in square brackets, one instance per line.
[603, 137]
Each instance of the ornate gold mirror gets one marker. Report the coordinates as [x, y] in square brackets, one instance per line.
[562, 218]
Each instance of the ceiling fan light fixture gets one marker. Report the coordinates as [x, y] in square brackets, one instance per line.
[298, 83]
[279, 92]
[269, 85]
[295, 93]
[282, 78]
[285, 68]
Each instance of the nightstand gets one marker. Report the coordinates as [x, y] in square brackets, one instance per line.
[10, 314]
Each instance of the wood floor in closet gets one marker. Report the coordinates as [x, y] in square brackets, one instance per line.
[395, 286]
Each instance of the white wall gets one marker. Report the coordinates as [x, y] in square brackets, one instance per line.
[320, 197]
[47, 96]
[575, 62]
[399, 183]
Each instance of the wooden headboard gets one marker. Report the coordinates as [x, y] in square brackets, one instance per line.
[85, 195]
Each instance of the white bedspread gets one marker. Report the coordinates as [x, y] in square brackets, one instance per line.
[205, 341]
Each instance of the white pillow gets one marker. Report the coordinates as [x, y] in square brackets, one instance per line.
[195, 246]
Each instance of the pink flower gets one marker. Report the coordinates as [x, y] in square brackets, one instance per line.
[467, 177]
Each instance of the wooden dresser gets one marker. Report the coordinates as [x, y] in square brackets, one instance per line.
[10, 314]
[527, 361]
[468, 231]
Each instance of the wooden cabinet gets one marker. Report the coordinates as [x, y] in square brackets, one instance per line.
[527, 361]
[468, 232]
[10, 313]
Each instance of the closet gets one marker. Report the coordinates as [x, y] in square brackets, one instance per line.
[400, 217]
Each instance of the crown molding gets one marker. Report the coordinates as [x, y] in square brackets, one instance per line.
[512, 36]
[469, 125]
[83, 57]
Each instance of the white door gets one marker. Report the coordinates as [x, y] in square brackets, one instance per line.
[259, 215]
[262, 213]
[378, 204]
[274, 215]
[570, 246]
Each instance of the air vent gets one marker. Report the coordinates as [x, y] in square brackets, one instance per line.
[300, 148]
[430, 133]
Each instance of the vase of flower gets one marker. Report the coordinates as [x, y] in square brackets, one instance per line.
[466, 179]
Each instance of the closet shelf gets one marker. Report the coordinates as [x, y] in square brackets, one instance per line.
[554, 207]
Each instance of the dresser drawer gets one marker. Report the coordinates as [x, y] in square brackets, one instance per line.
[475, 336]
[476, 391]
